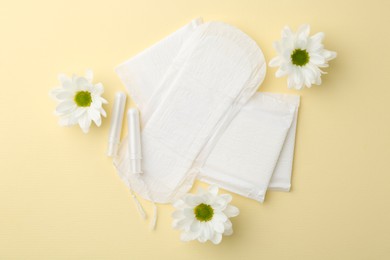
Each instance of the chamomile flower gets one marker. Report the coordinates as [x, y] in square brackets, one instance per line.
[301, 57]
[80, 101]
[204, 216]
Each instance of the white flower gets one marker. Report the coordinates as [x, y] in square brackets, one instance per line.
[204, 216]
[80, 101]
[301, 57]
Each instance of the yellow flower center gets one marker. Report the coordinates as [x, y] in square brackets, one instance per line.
[300, 57]
[203, 212]
[83, 98]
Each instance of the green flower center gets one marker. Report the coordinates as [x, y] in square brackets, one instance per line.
[203, 212]
[300, 57]
[83, 98]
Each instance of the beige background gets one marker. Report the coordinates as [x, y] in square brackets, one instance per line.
[60, 197]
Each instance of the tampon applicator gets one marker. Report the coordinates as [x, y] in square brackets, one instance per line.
[134, 128]
[116, 124]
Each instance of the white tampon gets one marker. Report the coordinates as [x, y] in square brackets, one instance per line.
[135, 153]
[116, 124]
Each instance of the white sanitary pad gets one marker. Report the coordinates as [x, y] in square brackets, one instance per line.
[192, 89]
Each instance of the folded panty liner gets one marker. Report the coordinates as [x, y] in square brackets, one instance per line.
[192, 89]
[245, 157]
[281, 177]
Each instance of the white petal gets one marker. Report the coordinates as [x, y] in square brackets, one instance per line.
[68, 85]
[297, 77]
[303, 30]
[178, 214]
[200, 191]
[103, 100]
[226, 197]
[290, 82]
[62, 78]
[278, 47]
[220, 217]
[65, 107]
[85, 123]
[207, 198]
[74, 79]
[228, 232]
[193, 200]
[208, 231]
[219, 203]
[287, 54]
[228, 228]
[219, 227]
[287, 43]
[315, 42]
[85, 130]
[65, 95]
[80, 111]
[98, 122]
[280, 73]
[231, 211]
[189, 213]
[298, 80]
[216, 239]
[188, 226]
[308, 76]
[202, 238]
[312, 70]
[182, 223]
[301, 43]
[275, 62]
[213, 189]
[95, 116]
[329, 55]
[302, 36]
[307, 82]
[195, 227]
[68, 120]
[187, 236]
[66, 82]
[57, 91]
[98, 89]
[325, 65]
[318, 37]
[228, 224]
[286, 32]
[103, 112]
[82, 83]
[178, 203]
[89, 75]
[175, 221]
[318, 80]
[96, 102]
[316, 59]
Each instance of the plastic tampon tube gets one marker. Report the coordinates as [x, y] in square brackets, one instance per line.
[116, 124]
[134, 128]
